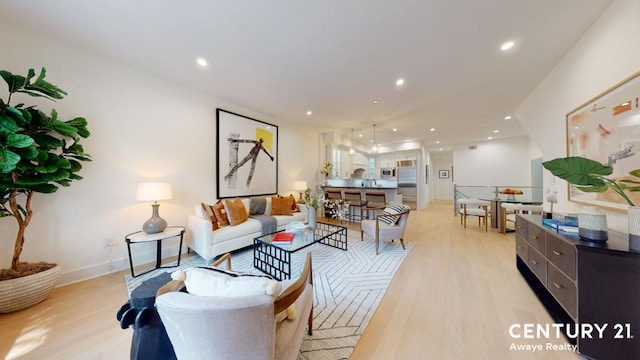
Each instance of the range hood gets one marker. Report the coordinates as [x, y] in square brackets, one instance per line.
[406, 163]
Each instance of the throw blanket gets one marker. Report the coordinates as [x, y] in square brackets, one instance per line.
[268, 223]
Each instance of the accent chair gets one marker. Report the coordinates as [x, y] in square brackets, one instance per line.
[239, 328]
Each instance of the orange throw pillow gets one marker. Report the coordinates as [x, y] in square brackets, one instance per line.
[220, 213]
[294, 203]
[280, 206]
[208, 209]
[236, 211]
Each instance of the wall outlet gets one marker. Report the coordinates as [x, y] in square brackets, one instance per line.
[109, 242]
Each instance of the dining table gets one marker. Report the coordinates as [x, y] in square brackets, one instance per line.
[496, 205]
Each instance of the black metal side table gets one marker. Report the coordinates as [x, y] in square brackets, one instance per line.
[142, 237]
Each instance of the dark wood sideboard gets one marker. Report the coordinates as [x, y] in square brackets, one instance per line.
[581, 282]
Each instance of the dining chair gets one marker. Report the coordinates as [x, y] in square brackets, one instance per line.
[474, 207]
[510, 210]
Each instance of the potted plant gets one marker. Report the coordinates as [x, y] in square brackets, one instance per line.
[38, 153]
[326, 171]
[591, 176]
[313, 202]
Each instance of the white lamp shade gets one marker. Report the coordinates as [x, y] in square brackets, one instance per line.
[153, 191]
[300, 185]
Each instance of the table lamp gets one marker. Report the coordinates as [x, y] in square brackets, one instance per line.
[300, 186]
[154, 191]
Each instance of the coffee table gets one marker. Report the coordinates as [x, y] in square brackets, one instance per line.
[275, 258]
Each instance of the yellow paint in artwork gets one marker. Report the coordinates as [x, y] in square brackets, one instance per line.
[267, 136]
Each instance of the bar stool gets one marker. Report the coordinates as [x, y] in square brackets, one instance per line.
[375, 201]
[354, 198]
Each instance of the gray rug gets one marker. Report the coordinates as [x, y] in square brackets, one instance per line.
[348, 287]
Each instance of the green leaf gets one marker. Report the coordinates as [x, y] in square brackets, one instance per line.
[29, 153]
[19, 140]
[45, 88]
[45, 188]
[15, 82]
[46, 142]
[7, 124]
[579, 171]
[80, 124]
[63, 128]
[8, 159]
[635, 173]
[14, 113]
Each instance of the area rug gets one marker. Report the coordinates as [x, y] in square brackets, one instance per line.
[348, 287]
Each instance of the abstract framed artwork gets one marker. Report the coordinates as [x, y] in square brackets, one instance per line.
[443, 174]
[246, 156]
[607, 129]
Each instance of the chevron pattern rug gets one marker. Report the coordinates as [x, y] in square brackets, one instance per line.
[348, 287]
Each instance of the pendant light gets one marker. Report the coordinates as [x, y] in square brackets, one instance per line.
[352, 150]
[374, 146]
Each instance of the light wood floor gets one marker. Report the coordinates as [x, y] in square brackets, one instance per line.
[455, 297]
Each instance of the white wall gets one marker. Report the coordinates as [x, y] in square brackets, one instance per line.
[442, 188]
[605, 55]
[502, 162]
[143, 128]
[425, 191]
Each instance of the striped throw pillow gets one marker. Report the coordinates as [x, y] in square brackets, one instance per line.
[392, 209]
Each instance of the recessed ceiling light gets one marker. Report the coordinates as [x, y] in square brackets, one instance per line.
[496, 131]
[490, 137]
[440, 149]
[508, 117]
[201, 61]
[400, 82]
[309, 112]
[376, 101]
[395, 129]
[359, 135]
[437, 142]
[507, 45]
[432, 129]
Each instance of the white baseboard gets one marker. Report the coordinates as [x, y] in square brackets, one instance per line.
[119, 264]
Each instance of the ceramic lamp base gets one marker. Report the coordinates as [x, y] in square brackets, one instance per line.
[155, 224]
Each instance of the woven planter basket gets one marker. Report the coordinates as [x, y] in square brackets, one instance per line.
[23, 292]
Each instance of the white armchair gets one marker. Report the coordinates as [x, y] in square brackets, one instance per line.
[380, 230]
[201, 327]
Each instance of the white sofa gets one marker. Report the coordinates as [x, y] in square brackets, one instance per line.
[211, 243]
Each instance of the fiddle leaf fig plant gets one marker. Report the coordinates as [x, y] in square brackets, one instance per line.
[591, 176]
[38, 152]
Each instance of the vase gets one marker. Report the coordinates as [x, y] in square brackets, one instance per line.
[592, 224]
[511, 197]
[634, 227]
[312, 217]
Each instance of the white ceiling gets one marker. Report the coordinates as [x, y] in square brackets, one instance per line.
[334, 57]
